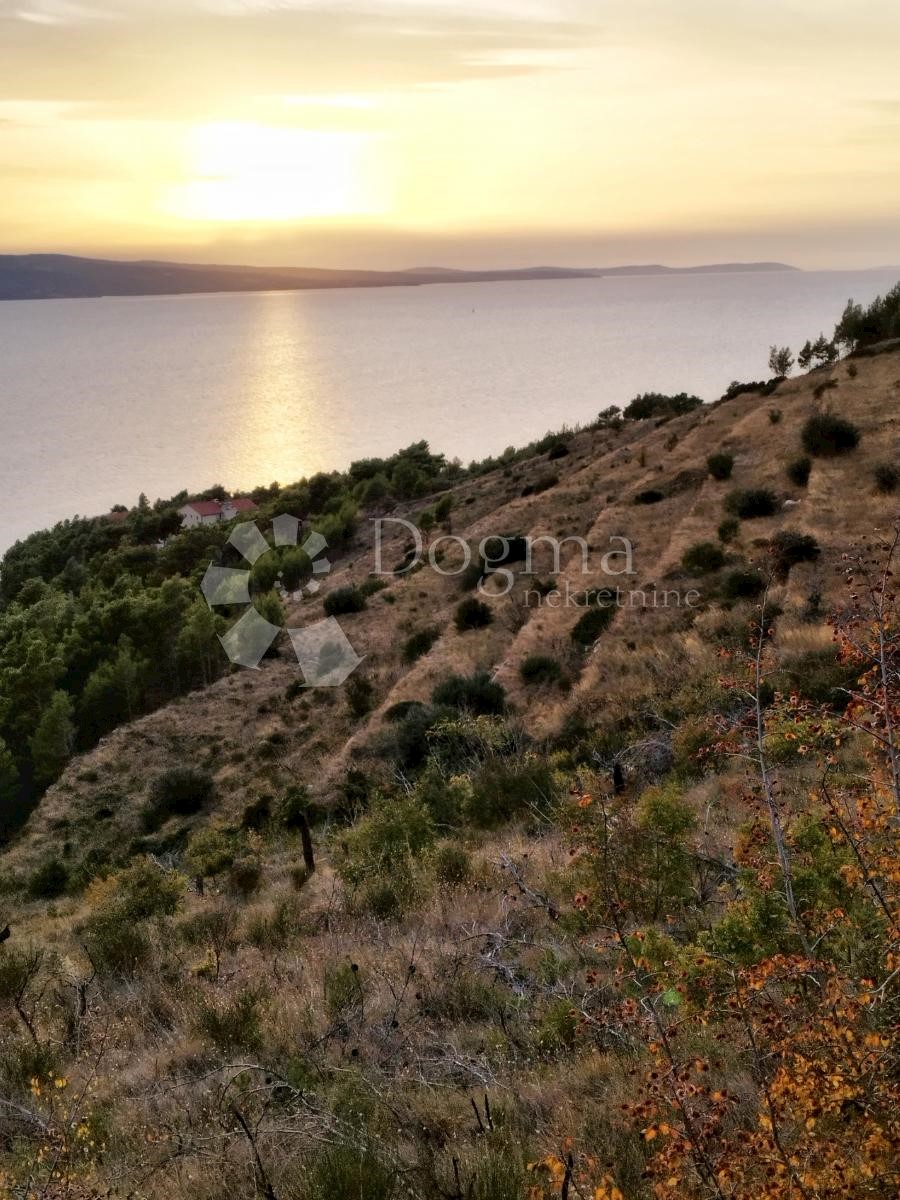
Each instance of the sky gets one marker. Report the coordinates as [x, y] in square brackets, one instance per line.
[398, 133]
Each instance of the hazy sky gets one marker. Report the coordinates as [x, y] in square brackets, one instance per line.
[408, 132]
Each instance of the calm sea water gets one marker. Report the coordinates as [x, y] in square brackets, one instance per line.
[103, 399]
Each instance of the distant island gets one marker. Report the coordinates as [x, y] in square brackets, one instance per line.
[64, 276]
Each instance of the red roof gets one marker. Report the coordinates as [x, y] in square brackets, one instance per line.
[206, 508]
[241, 503]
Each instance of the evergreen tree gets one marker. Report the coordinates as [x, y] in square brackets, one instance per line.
[9, 782]
[53, 740]
[781, 361]
[112, 694]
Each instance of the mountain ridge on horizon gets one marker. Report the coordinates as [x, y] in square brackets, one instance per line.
[65, 276]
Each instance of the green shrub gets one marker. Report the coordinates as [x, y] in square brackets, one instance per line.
[702, 558]
[728, 529]
[452, 864]
[789, 548]
[344, 600]
[372, 586]
[48, 880]
[472, 614]
[798, 470]
[663, 819]
[444, 796]
[720, 465]
[394, 833]
[502, 791]
[542, 484]
[115, 934]
[649, 496]
[343, 989]
[820, 677]
[742, 584]
[589, 627]
[403, 709]
[540, 669]
[557, 1029]
[655, 404]
[350, 1172]
[232, 1022]
[477, 693]
[245, 874]
[419, 643]
[749, 503]
[463, 996]
[887, 478]
[257, 813]
[180, 791]
[359, 693]
[826, 435]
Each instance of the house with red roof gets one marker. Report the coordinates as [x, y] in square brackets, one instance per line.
[209, 512]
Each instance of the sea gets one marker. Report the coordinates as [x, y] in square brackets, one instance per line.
[103, 399]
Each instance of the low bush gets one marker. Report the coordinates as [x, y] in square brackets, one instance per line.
[887, 478]
[826, 435]
[350, 1172]
[703, 557]
[477, 694]
[372, 586]
[720, 465]
[245, 874]
[48, 880]
[344, 600]
[540, 668]
[649, 496]
[452, 864]
[502, 791]
[760, 387]
[558, 450]
[115, 934]
[257, 813]
[728, 529]
[798, 470]
[592, 624]
[402, 709]
[359, 692]
[209, 852]
[742, 584]
[472, 614]
[789, 548]
[419, 643]
[233, 1022]
[542, 484]
[180, 791]
[749, 503]
[381, 846]
[655, 404]
[820, 677]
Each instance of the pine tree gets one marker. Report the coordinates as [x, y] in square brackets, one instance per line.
[53, 740]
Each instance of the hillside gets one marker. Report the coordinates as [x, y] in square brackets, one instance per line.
[551, 945]
[61, 276]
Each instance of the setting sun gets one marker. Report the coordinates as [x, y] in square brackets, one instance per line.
[241, 171]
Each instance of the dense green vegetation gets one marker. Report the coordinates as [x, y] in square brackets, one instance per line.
[101, 620]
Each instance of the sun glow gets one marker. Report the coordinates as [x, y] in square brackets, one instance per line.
[240, 171]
